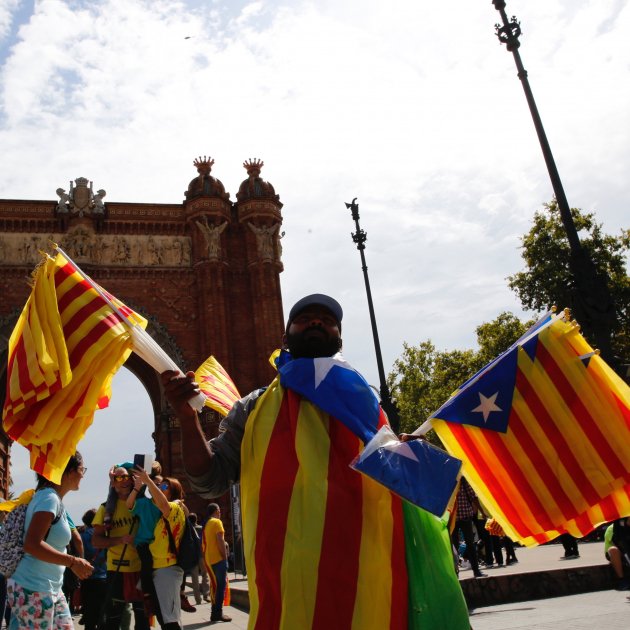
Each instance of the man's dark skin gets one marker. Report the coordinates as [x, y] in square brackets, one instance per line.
[314, 332]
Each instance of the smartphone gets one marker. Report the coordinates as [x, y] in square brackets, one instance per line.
[143, 461]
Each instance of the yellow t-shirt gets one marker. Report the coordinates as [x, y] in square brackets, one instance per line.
[160, 548]
[122, 522]
[212, 555]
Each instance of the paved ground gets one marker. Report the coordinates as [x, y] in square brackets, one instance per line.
[201, 618]
[604, 610]
[547, 557]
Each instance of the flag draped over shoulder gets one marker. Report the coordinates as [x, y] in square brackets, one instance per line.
[63, 353]
[544, 433]
[327, 547]
[416, 471]
[216, 384]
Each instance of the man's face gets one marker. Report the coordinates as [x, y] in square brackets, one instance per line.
[314, 332]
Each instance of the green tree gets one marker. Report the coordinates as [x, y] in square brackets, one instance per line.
[498, 335]
[423, 378]
[547, 280]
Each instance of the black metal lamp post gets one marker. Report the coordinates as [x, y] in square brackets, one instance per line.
[592, 303]
[359, 237]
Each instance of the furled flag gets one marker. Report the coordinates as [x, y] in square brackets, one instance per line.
[63, 353]
[216, 384]
[544, 433]
[416, 471]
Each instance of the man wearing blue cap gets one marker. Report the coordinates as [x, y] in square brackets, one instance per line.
[313, 330]
[325, 546]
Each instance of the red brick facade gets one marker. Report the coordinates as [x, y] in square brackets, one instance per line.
[206, 273]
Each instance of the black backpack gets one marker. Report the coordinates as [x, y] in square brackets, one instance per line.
[189, 552]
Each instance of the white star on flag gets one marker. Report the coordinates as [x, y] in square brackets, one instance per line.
[487, 405]
[323, 365]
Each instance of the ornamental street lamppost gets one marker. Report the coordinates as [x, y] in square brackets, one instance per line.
[359, 237]
[592, 303]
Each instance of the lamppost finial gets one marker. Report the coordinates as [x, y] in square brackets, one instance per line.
[592, 301]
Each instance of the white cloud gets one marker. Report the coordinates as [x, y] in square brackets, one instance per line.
[7, 11]
[413, 107]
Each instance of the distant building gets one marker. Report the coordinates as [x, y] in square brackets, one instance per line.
[205, 273]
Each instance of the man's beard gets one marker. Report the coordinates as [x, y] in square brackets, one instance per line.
[303, 346]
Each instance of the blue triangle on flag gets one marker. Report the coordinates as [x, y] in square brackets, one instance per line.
[485, 402]
[530, 346]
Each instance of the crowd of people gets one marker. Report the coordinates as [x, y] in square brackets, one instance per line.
[125, 556]
[121, 562]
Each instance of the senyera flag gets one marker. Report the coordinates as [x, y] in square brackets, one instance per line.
[63, 353]
[69, 341]
[216, 384]
[544, 433]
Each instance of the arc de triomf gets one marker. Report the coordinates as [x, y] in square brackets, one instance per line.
[205, 273]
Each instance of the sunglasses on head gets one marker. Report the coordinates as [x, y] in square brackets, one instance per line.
[121, 477]
[164, 485]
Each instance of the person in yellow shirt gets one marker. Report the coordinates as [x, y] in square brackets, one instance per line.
[169, 529]
[123, 562]
[215, 557]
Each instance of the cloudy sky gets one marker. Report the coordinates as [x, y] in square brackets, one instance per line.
[412, 107]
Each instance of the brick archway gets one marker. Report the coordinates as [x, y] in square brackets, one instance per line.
[205, 273]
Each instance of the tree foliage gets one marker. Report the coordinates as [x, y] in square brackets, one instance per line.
[423, 378]
[547, 280]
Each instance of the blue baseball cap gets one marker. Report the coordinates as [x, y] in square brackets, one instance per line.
[316, 299]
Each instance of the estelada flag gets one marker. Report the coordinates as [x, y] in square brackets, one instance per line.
[544, 434]
[216, 384]
[63, 353]
[416, 471]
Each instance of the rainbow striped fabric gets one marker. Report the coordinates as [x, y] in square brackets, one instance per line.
[216, 384]
[327, 547]
[544, 433]
[63, 353]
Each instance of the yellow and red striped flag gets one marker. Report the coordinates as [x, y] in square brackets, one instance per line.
[544, 434]
[63, 353]
[300, 498]
[216, 384]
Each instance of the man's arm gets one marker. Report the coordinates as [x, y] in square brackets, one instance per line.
[179, 390]
[210, 466]
[221, 544]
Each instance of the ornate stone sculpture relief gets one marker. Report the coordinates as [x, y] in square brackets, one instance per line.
[80, 200]
[212, 235]
[265, 239]
[83, 245]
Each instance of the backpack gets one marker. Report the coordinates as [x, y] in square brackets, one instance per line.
[12, 538]
[189, 552]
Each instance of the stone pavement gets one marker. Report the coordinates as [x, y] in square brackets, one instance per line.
[603, 610]
[606, 609]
